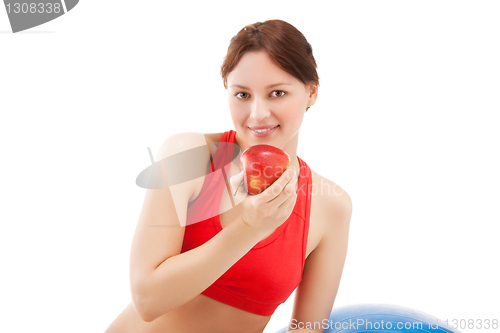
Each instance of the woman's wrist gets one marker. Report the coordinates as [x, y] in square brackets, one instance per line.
[249, 232]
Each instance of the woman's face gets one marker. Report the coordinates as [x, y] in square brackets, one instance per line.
[261, 95]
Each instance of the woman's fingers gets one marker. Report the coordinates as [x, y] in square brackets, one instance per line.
[289, 203]
[272, 192]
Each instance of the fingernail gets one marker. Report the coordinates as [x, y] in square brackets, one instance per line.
[291, 171]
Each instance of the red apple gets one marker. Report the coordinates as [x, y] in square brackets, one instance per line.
[263, 165]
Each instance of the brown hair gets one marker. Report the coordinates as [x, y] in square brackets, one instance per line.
[285, 45]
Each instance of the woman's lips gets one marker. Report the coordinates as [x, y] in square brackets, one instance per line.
[264, 134]
[262, 127]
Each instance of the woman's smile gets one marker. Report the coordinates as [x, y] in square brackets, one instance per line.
[260, 133]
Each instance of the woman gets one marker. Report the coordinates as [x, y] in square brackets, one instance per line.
[233, 258]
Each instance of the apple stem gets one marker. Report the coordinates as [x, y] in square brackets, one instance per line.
[238, 187]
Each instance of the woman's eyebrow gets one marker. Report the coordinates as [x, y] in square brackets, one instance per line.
[270, 86]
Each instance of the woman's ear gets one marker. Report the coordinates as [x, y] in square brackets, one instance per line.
[313, 91]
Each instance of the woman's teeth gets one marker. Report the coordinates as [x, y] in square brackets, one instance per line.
[264, 130]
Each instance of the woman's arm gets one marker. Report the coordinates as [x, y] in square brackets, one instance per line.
[161, 278]
[182, 277]
[316, 292]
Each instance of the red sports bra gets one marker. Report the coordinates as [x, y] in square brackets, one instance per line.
[267, 274]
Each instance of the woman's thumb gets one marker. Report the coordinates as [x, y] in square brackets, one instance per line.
[238, 176]
[237, 180]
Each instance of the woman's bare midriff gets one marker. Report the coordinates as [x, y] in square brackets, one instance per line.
[203, 314]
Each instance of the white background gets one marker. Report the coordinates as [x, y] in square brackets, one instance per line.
[406, 122]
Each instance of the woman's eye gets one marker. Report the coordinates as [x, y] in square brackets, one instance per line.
[281, 92]
[239, 93]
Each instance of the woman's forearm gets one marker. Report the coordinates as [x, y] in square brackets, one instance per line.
[182, 277]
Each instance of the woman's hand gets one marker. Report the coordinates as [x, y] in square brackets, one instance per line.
[266, 211]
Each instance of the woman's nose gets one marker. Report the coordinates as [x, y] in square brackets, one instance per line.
[259, 111]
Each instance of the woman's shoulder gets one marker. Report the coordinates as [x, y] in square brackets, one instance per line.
[330, 198]
[190, 148]
[186, 140]
[212, 137]
[330, 208]
[180, 141]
